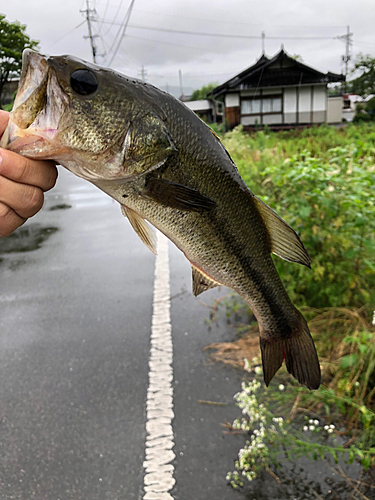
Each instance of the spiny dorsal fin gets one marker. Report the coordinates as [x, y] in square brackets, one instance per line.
[201, 282]
[141, 227]
[177, 196]
[285, 242]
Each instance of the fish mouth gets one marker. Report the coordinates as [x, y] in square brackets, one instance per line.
[38, 107]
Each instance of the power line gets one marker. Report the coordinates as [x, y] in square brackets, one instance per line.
[124, 26]
[114, 19]
[237, 23]
[105, 12]
[153, 40]
[227, 35]
[66, 34]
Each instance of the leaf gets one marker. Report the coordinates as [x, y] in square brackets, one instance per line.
[349, 360]
[366, 461]
[363, 348]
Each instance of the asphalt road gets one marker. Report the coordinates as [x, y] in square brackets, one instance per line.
[76, 301]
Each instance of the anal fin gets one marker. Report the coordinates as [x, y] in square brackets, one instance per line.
[141, 227]
[202, 282]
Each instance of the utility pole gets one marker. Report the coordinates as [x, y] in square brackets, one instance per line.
[346, 58]
[263, 42]
[143, 73]
[181, 86]
[88, 12]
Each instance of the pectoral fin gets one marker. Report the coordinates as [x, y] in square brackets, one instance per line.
[285, 242]
[147, 145]
[176, 195]
[201, 282]
[141, 227]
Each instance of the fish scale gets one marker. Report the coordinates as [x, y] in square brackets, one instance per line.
[149, 152]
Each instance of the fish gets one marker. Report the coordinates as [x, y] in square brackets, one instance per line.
[167, 169]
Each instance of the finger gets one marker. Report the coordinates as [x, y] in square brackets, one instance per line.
[4, 118]
[25, 200]
[9, 220]
[42, 174]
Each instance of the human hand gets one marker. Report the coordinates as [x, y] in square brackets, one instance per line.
[22, 184]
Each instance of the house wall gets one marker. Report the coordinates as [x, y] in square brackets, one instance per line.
[300, 105]
[232, 100]
[319, 104]
[290, 104]
[334, 110]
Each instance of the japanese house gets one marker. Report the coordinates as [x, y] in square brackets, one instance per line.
[280, 92]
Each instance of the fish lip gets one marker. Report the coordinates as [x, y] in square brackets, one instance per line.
[27, 141]
[34, 71]
[36, 114]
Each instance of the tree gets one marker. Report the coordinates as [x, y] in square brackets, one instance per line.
[364, 84]
[365, 111]
[13, 40]
[202, 92]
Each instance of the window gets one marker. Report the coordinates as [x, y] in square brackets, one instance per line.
[257, 105]
[250, 107]
[276, 105]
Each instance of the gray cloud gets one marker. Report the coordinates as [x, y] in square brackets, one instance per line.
[202, 59]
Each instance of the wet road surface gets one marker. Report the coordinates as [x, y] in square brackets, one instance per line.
[76, 304]
[76, 299]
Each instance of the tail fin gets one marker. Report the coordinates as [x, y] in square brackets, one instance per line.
[300, 357]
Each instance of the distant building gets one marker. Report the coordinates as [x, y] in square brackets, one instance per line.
[350, 102]
[8, 91]
[280, 92]
[204, 108]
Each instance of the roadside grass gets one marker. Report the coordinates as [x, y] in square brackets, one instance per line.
[322, 182]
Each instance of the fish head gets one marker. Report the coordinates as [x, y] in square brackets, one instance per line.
[94, 121]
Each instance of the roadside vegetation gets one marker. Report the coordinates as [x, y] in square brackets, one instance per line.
[322, 182]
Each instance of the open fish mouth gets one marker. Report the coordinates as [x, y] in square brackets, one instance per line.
[39, 104]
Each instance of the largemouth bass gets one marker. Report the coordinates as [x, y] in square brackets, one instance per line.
[149, 152]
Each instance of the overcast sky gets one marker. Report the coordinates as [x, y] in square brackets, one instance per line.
[310, 29]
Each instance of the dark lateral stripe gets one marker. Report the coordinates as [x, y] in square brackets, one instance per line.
[255, 277]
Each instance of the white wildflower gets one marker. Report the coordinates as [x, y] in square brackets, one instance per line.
[281, 387]
[305, 428]
[258, 370]
[247, 365]
[312, 428]
[330, 431]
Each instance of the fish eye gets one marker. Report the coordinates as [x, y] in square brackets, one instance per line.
[83, 82]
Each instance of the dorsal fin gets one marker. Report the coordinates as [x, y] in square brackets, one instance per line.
[141, 227]
[285, 242]
[201, 282]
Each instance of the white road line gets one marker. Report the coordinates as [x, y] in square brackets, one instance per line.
[159, 480]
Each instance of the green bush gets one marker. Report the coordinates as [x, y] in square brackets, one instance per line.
[328, 197]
